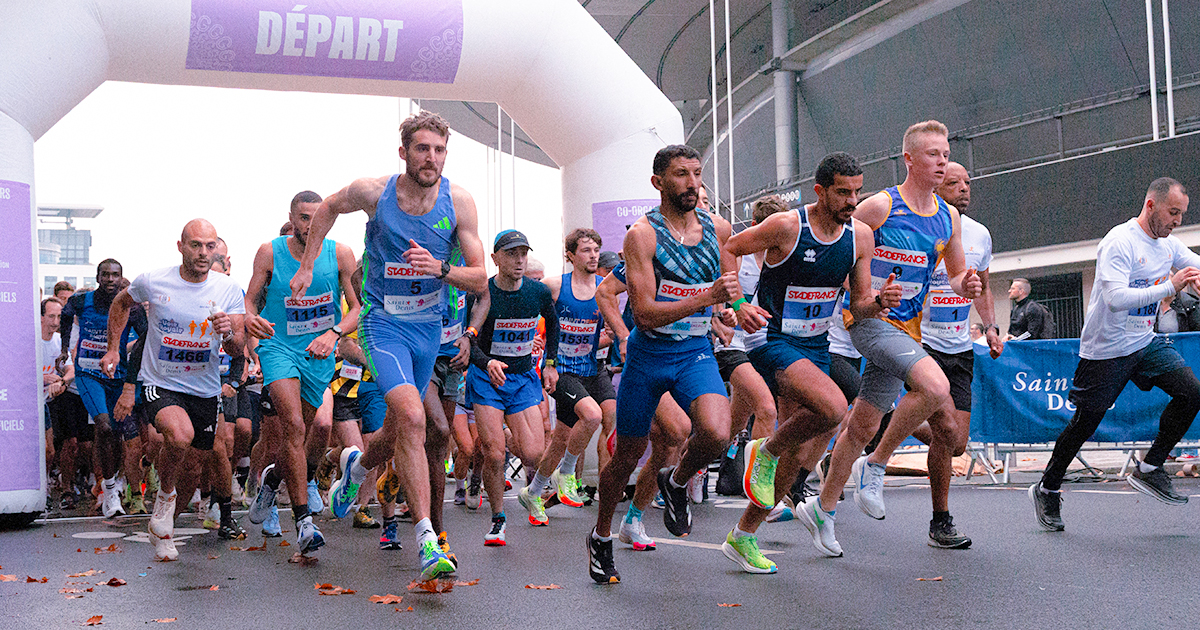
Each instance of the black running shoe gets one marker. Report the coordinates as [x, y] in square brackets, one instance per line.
[677, 515]
[230, 530]
[1047, 506]
[600, 561]
[1157, 484]
[943, 535]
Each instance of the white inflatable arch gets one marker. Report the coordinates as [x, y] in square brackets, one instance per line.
[546, 62]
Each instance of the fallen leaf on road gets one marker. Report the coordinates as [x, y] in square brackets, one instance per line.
[302, 560]
[88, 573]
[729, 605]
[284, 543]
[74, 596]
[115, 582]
[543, 587]
[79, 550]
[471, 583]
[211, 556]
[933, 579]
[113, 548]
[56, 536]
[385, 599]
[8, 578]
[31, 579]
[214, 587]
[330, 589]
[164, 620]
[94, 621]
[70, 590]
[433, 586]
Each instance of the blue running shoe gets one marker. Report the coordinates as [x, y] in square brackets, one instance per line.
[390, 538]
[308, 537]
[264, 501]
[434, 562]
[270, 526]
[315, 504]
[343, 491]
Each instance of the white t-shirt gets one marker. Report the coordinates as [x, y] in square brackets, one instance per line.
[1133, 273]
[945, 321]
[50, 351]
[748, 275]
[839, 340]
[181, 351]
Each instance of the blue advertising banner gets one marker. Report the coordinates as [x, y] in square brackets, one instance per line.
[1021, 397]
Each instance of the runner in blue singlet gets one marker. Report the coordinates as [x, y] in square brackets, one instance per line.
[415, 218]
[676, 272]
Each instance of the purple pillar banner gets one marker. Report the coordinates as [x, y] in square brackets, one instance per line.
[396, 40]
[20, 386]
[613, 218]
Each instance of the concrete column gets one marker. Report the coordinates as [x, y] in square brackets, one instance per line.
[785, 93]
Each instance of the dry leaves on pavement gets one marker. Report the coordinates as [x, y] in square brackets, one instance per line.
[543, 587]
[385, 599]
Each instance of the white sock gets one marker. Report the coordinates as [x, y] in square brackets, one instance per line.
[567, 465]
[671, 480]
[540, 483]
[1146, 468]
[243, 462]
[738, 533]
[596, 536]
[109, 484]
[424, 531]
[357, 472]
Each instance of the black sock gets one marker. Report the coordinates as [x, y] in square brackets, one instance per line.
[941, 517]
[243, 473]
[273, 478]
[391, 519]
[226, 508]
[205, 497]
[299, 511]
[798, 485]
[312, 471]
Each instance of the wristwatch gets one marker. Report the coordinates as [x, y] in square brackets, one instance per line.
[445, 270]
[337, 330]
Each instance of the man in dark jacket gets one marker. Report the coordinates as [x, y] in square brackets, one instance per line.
[1027, 315]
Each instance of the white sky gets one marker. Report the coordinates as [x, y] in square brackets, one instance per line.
[157, 156]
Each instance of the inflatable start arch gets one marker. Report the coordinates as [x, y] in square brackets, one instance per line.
[546, 62]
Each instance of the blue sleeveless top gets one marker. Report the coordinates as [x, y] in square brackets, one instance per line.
[579, 325]
[93, 341]
[681, 271]
[454, 309]
[801, 291]
[910, 245]
[390, 286]
[298, 322]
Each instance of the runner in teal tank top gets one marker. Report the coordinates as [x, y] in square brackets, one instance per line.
[913, 228]
[414, 219]
[297, 338]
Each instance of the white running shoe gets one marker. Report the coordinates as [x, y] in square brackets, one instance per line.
[212, 517]
[162, 526]
[112, 499]
[165, 551]
[695, 487]
[635, 534]
[868, 487]
[820, 524]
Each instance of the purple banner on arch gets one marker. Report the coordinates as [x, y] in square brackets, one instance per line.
[20, 386]
[395, 40]
[613, 218]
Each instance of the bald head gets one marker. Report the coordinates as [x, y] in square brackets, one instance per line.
[956, 186]
[198, 245]
[198, 227]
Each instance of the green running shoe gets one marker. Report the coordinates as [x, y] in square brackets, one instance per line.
[434, 562]
[758, 479]
[536, 507]
[568, 489]
[744, 551]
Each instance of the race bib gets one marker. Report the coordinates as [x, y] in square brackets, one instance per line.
[226, 361]
[910, 267]
[513, 337]
[451, 333]
[310, 314]
[575, 337]
[89, 354]
[408, 291]
[351, 371]
[602, 353]
[695, 325]
[947, 314]
[1140, 320]
[808, 312]
[183, 356]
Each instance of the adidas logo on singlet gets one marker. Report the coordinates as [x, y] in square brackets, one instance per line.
[444, 224]
[810, 256]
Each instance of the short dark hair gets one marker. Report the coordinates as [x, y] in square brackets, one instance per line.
[49, 299]
[108, 261]
[663, 158]
[63, 285]
[423, 120]
[572, 240]
[305, 196]
[220, 259]
[834, 164]
[1162, 186]
[765, 206]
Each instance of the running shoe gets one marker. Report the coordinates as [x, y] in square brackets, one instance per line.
[474, 495]
[1155, 483]
[658, 502]
[434, 563]
[677, 515]
[164, 550]
[212, 516]
[344, 490]
[315, 504]
[536, 507]
[744, 552]
[308, 537]
[324, 472]
[270, 525]
[388, 485]
[67, 501]
[758, 477]
[1047, 506]
[264, 501]
[868, 487]
[697, 486]
[495, 537]
[152, 484]
[137, 504]
[389, 539]
[112, 500]
[634, 533]
[460, 496]
[568, 489]
[363, 519]
[231, 530]
[820, 524]
[783, 511]
[944, 535]
[444, 545]
[600, 561]
[162, 526]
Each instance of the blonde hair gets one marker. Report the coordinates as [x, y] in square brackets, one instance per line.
[767, 205]
[928, 126]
